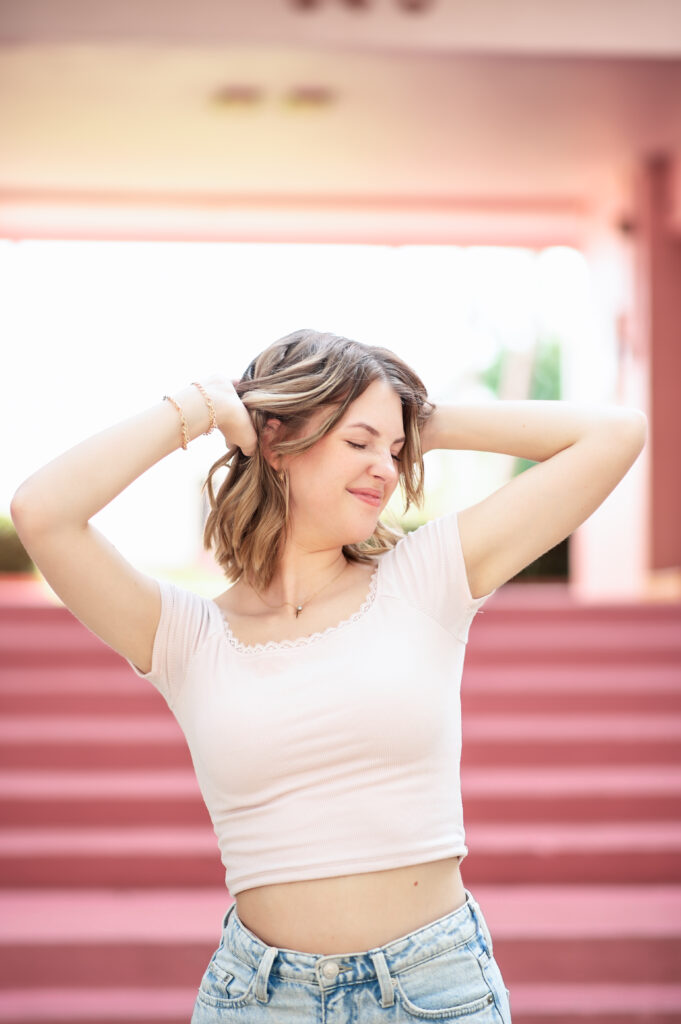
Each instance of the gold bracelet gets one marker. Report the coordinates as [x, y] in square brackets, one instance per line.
[209, 403]
[185, 432]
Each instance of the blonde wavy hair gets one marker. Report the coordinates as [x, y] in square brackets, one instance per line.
[290, 380]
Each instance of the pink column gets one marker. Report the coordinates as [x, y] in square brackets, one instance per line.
[658, 297]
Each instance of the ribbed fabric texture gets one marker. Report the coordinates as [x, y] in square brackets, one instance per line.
[338, 753]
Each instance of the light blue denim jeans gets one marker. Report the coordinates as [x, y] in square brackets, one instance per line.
[442, 971]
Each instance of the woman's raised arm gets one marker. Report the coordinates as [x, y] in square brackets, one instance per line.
[51, 510]
[582, 452]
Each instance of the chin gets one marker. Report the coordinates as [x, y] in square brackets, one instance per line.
[361, 534]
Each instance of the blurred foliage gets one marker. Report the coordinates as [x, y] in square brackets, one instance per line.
[13, 555]
[545, 382]
[491, 376]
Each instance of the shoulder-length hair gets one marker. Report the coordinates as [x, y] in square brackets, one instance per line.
[291, 379]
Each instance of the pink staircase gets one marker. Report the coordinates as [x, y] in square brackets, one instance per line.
[111, 888]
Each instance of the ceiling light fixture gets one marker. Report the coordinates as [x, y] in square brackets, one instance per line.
[409, 6]
[238, 96]
[309, 96]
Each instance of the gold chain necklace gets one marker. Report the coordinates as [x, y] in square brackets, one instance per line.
[299, 607]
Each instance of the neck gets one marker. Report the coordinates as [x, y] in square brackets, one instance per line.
[299, 574]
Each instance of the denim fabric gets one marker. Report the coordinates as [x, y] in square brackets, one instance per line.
[443, 971]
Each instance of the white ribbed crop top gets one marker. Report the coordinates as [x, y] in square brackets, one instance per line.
[336, 753]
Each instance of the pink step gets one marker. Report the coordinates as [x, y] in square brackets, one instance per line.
[530, 1004]
[163, 855]
[100, 938]
[622, 1003]
[136, 856]
[65, 798]
[601, 933]
[92, 741]
[169, 1005]
[570, 739]
[595, 793]
[553, 853]
[613, 680]
[600, 793]
[586, 936]
[555, 689]
[570, 775]
[77, 689]
[56, 639]
[67, 741]
[579, 635]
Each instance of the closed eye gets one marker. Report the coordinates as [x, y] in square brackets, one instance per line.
[354, 444]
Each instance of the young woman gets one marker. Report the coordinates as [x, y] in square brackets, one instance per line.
[319, 694]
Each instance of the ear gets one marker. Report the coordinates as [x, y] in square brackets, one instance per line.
[270, 434]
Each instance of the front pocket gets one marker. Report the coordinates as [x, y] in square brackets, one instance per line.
[447, 986]
[227, 981]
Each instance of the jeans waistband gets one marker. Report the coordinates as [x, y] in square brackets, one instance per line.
[379, 962]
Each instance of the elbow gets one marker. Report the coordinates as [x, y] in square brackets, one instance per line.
[22, 510]
[17, 507]
[632, 430]
[640, 427]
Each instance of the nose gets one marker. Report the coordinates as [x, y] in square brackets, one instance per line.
[385, 466]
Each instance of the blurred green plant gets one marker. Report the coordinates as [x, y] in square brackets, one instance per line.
[545, 379]
[491, 375]
[13, 555]
[545, 382]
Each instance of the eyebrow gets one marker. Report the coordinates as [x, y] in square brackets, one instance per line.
[372, 430]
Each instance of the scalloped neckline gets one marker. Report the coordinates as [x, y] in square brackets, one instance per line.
[300, 641]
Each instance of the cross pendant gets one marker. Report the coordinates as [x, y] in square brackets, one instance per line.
[299, 610]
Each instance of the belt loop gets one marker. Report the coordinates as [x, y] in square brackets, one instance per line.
[225, 919]
[384, 978]
[482, 923]
[263, 974]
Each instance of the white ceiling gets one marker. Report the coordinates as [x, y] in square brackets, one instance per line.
[462, 102]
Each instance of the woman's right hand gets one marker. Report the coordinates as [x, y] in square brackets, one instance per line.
[234, 419]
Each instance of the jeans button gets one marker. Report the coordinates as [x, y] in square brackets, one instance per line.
[330, 970]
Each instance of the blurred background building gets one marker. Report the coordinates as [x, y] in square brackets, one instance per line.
[547, 132]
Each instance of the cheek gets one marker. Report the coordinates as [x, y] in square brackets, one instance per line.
[319, 480]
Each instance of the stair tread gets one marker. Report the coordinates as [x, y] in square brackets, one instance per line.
[169, 840]
[194, 914]
[476, 781]
[128, 785]
[557, 781]
[94, 1004]
[106, 915]
[163, 1003]
[119, 679]
[627, 1000]
[587, 837]
[522, 726]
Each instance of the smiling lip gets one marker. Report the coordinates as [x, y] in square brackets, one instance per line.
[371, 497]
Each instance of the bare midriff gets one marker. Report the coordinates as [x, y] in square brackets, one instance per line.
[352, 913]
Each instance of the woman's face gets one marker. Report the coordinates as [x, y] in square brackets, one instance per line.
[339, 487]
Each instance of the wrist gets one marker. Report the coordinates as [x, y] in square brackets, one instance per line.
[195, 409]
[429, 433]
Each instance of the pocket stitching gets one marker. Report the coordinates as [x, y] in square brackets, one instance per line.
[447, 1011]
[222, 976]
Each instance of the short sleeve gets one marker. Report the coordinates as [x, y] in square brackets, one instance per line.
[428, 570]
[181, 629]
